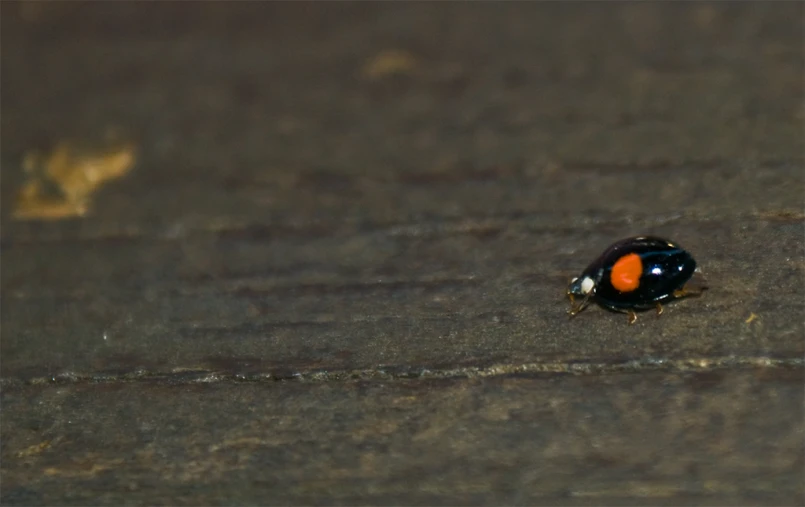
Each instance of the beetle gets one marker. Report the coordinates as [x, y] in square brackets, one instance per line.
[635, 274]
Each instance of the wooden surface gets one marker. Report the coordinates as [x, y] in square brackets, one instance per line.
[336, 272]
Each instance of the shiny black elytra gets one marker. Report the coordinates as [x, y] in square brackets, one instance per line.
[635, 274]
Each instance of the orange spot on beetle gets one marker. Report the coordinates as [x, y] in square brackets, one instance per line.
[625, 275]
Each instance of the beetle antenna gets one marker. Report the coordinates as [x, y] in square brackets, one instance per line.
[578, 308]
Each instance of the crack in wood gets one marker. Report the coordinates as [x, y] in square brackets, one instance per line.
[183, 376]
[490, 225]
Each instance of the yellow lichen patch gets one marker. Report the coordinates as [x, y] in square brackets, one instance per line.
[389, 62]
[239, 442]
[704, 16]
[84, 468]
[34, 449]
[632, 489]
[61, 183]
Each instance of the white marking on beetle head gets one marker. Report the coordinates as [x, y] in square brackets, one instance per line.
[587, 285]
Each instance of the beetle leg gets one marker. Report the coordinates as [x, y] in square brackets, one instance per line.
[631, 314]
[694, 288]
[659, 309]
[688, 293]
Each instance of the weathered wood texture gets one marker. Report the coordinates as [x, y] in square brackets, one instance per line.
[642, 439]
[328, 283]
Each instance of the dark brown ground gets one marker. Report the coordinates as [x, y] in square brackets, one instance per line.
[327, 284]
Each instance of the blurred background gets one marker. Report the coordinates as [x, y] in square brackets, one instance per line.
[309, 252]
